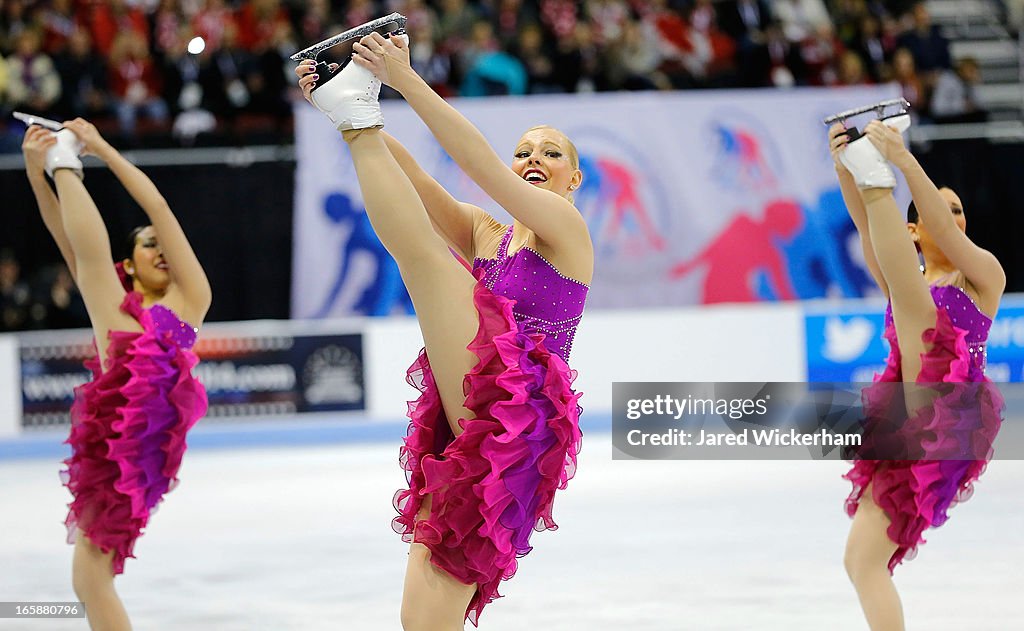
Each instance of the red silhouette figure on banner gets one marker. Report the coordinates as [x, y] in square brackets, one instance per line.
[745, 249]
[619, 184]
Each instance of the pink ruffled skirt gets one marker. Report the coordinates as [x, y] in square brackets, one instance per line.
[493, 484]
[917, 494]
[127, 439]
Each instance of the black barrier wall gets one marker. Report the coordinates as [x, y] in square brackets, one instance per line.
[239, 219]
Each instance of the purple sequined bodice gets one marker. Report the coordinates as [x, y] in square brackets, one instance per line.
[965, 315]
[165, 324]
[546, 301]
[171, 328]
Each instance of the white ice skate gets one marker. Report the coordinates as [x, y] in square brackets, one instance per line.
[349, 96]
[63, 155]
[867, 165]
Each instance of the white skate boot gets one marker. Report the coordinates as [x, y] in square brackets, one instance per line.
[65, 154]
[867, 165]
[349, 97]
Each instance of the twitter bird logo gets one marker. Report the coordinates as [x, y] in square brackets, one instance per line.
[846, 340]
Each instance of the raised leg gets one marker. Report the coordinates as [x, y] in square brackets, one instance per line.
[913, 309]
[441, 289]
[97, 280]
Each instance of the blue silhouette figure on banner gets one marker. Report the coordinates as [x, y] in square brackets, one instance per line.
[387, 291]
[818, 258]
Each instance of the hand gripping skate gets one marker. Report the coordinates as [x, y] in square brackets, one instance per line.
[349, 95]
[867, 165]
[64, 154]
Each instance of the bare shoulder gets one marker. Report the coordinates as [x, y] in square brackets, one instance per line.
[573, 257]
[487, 233]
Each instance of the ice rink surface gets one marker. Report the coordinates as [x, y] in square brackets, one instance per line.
[299, 538]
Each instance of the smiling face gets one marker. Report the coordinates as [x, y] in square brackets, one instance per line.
[147, 267]
[547, 159]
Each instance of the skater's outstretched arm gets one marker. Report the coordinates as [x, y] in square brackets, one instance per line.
[34, 146]
[979, 266]
[550, 216]
[185, 269]
[855, 204]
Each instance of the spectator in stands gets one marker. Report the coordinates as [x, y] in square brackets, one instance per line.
[560, 17]
[745, 21]
[480, 41]
[495, 73]
[222, 76]
[955, 99]
[33, 82]
[509, 18]
[608, 18]
[578, 63]
[58, 23]
[315, 21]
[211, 21]
[83, 75]
[851, 69]
[108, 20]
[846, 16]
[489, 71]
[422, 18]
[260, 23]
[633, 62]
[434, 66]
[685, 53]
[801, 19]
[538, 62]
[775, 63]
[905, 73]
[927, 44]
[13, 20]
[821, 53]
[265, 77]
[360, 12]
[873, 46]
[15, 297]
[61, 305]
[135, 82]
[704, 23]
[454, 22]
[179, 71]
[168, 23]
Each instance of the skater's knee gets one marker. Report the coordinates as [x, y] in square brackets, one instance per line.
[862, 561]
[88, 583]
[91, 573]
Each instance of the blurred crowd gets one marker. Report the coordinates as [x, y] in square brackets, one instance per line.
[129, 64]
[48, 300]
